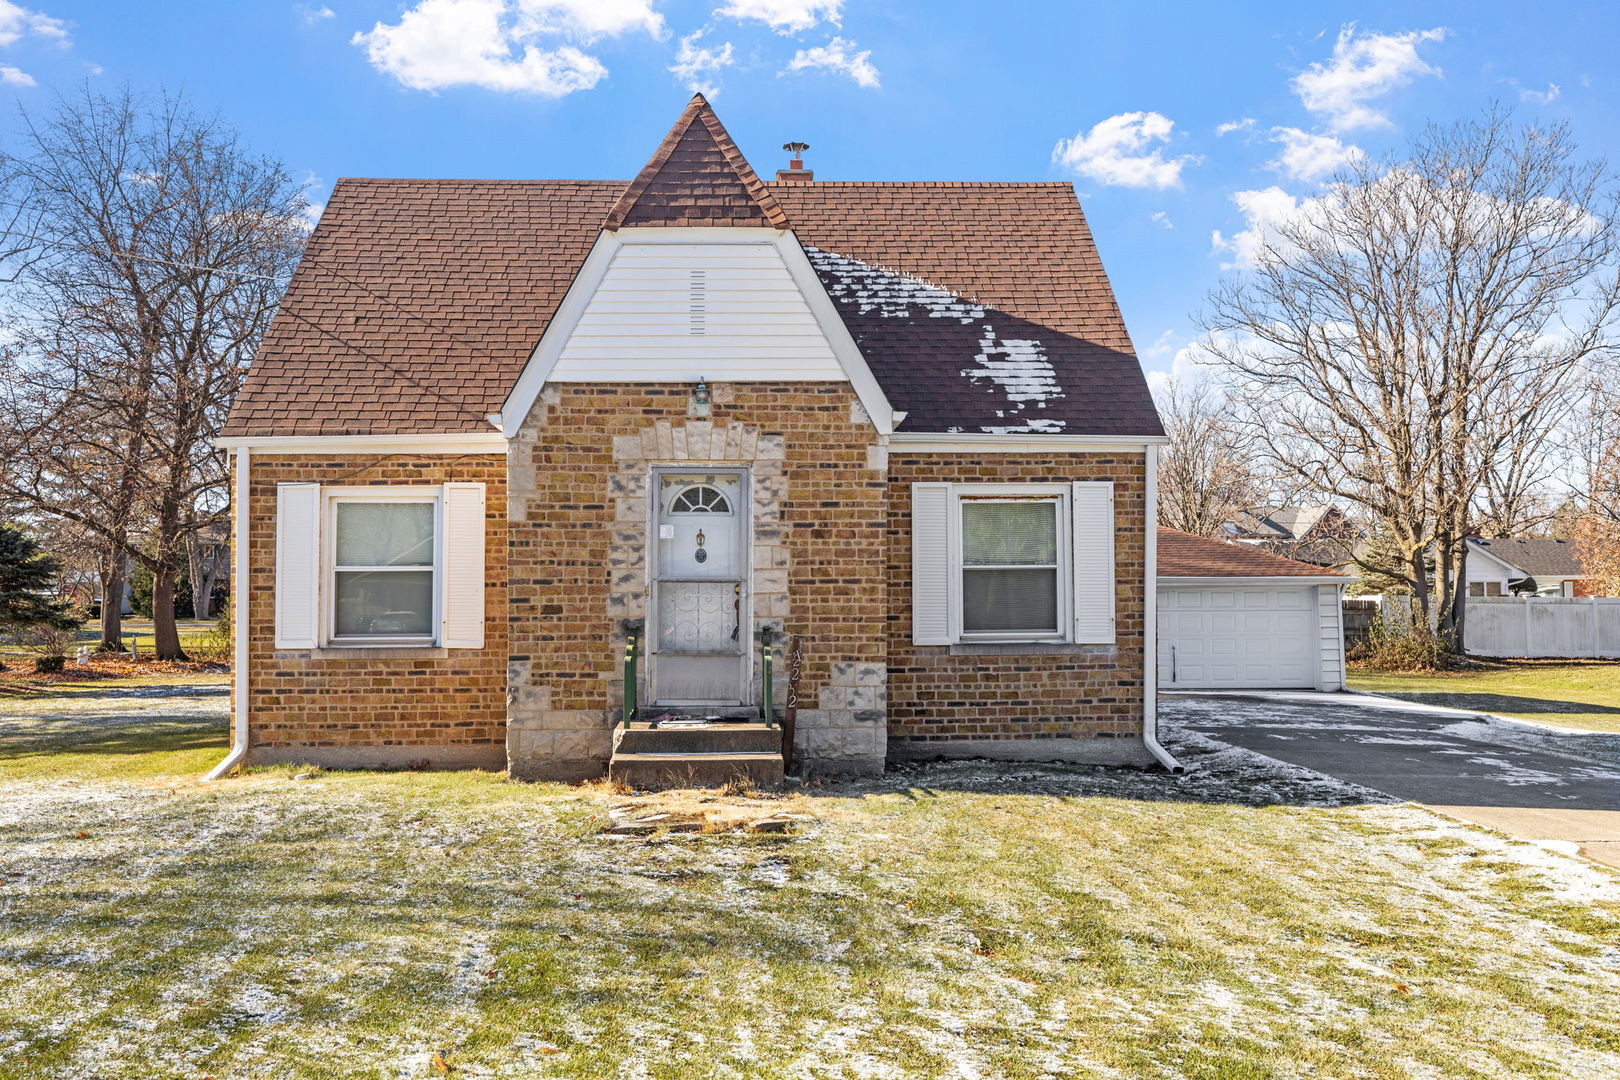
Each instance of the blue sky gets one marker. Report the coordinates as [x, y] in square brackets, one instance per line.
[1183, 125]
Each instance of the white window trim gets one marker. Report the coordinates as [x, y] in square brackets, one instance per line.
[330, 497]
[1056, 493]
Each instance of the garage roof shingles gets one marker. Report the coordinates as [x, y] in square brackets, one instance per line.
[1185, 555]
[418, 302]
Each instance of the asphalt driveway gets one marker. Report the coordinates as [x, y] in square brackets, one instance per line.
[1536, 783]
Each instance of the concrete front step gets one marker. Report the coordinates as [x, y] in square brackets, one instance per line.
[649, 771]
[708, 739]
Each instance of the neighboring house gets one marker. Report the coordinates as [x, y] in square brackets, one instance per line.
[505, 434]
[1533, 565]
[1232, 617]
[1321, 535]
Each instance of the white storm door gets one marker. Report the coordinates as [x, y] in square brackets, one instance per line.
[700, 634]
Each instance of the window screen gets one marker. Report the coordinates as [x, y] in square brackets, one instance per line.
[382, 576]
[1009, 566]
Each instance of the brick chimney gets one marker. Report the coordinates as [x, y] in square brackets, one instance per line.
[795, 173]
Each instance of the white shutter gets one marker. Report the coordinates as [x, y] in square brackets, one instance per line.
[1094, 577]
[930, 564]
[298, 566]
[462, 563]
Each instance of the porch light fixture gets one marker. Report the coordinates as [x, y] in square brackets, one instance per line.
[700, 397]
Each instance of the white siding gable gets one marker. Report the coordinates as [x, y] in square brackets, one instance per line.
[674, 312]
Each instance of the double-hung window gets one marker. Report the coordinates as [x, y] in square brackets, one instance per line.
[1013, 563]
[1012, 566]
[383, 568]
[380, 566]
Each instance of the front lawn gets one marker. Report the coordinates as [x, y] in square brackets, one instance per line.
[1247, 921]
[1568, 693]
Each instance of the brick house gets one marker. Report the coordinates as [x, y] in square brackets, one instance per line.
[502, 432]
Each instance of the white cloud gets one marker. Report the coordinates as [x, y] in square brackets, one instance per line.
[1116, 151]
[313, 13]
[1310, 157]
[698, 67]
[1542, 97]
[1264, 212]
[1362, 69]
[15, 77]
[840, 56]
[511, 45]
[1234, 125]
[16, 21]
[1160, 217]
[784, 16]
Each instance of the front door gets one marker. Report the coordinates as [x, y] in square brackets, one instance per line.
[700, 602]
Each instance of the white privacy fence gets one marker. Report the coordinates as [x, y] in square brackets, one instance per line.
[1542, 626]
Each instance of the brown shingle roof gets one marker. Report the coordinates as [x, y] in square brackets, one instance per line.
[1538, 556]
[697, 176]
[418, 302]
[1185, 555]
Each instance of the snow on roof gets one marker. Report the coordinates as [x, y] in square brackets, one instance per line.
[1016, 368]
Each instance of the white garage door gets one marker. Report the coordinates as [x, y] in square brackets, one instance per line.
[1257, 637]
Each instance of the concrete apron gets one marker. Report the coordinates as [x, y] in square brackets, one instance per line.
[1592, 833]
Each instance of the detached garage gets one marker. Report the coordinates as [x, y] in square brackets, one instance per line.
[1231, 618]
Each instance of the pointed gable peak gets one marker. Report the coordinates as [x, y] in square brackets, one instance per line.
[697, 177]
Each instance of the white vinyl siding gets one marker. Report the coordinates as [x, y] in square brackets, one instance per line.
[670, 311]
[1330, 617]
[1047, 557]
[418, 552]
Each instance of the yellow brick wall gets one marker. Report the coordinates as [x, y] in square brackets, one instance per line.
[1082, 691]
[397, 706]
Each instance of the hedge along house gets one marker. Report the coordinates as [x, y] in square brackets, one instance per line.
[500, 428]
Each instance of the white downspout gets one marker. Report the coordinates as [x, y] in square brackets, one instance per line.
[1150, 618]
[239, 621]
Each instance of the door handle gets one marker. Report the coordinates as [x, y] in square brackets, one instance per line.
[736, 605]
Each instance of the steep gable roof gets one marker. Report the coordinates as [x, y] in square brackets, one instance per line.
[979, 307]
[697, 176]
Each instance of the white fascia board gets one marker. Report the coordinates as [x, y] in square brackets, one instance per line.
[594, 269]
[475, 442]
[1285, 579]
[515, 409]
[927, 442]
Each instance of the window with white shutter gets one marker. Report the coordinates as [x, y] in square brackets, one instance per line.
[1012, 563]
[373, 566]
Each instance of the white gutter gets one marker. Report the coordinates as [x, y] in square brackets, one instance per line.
[473, 442]
[1150, 619]
[239, 622]
[955, 442]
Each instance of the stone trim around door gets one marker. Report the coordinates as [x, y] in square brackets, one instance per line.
[567, 744]
[668, 445]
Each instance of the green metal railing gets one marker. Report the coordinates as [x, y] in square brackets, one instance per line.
[765, 689]
[632, 648]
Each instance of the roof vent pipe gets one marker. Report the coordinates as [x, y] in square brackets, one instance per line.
[795, 173]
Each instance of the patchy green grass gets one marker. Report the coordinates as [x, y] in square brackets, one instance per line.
[1566, 693]
[953, 921]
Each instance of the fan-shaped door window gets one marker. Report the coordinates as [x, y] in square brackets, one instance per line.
[700, 499]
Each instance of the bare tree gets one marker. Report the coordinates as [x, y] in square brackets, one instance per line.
[1208, 473]
[161, 247]
[1401, 337]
